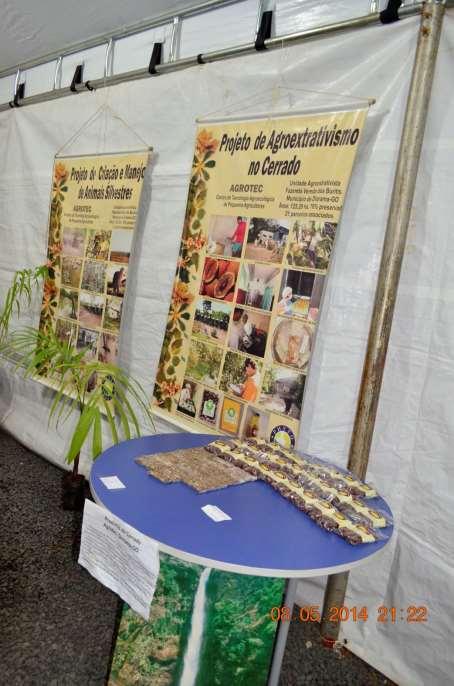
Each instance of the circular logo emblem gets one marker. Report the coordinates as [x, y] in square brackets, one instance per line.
[283, 435]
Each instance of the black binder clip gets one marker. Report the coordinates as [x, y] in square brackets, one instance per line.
[77, 78]
[18, 95]
[391, 13]
[264, 31]
[155, 58]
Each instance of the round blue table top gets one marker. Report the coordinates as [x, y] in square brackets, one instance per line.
[266, 536]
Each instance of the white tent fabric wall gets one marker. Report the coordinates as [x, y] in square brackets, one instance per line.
[411, 458]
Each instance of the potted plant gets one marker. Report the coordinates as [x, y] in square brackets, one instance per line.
[90, 388]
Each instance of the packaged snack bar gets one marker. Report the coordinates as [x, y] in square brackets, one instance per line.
[377, 518]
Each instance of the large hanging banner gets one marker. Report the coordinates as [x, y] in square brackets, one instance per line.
[93, 212]
[264, 204]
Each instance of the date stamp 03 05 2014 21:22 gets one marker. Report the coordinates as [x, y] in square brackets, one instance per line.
[411, 614]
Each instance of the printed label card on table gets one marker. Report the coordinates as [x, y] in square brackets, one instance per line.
[94, 204]
[264, 205]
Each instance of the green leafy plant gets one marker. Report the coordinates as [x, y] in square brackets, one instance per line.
[91, 388]
[20, 294]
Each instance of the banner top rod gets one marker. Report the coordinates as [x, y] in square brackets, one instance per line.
[60, 156]
[281, 114]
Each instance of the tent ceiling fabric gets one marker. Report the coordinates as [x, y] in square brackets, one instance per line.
[29, 29]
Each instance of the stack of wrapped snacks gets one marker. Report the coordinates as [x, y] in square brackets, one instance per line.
[332, 498]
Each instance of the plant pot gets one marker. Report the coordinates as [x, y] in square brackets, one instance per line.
[73, 491]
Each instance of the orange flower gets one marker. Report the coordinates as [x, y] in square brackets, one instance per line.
[60, 173]
[50, 292]
[198, 166]
[169, 388]
[195, 243]
[174, 314]
[181, 294]
[182, 262]
[49, 287]
[206, 142]
[54, 250]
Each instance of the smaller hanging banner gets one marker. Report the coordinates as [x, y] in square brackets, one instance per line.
[264, 204]
[94, 203]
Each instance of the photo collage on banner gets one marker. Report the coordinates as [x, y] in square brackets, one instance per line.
[93, 214]
[264, 203]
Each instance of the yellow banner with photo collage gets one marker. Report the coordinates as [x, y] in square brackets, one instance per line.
[94, 203]
[264, 204]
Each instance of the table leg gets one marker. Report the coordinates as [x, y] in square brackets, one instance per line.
[282, 632]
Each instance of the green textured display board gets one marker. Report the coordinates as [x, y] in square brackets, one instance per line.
[206, 628]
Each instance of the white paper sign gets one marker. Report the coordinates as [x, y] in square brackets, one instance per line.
[214, 512]
[120, 557]
[112, 482]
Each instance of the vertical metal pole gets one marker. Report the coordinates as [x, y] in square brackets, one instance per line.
[282, 633]
[390, 267]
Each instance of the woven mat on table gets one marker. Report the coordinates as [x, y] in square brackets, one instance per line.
[195, 467]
